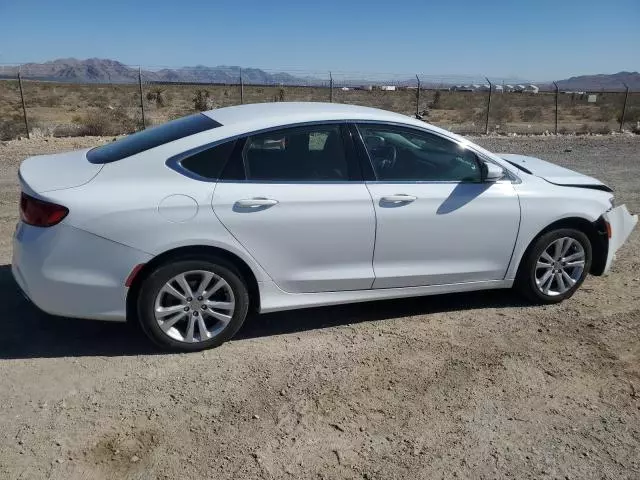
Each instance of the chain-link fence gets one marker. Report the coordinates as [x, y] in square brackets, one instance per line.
[126, 99]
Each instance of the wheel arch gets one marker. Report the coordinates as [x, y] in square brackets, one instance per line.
[596, 232]
[192, 251]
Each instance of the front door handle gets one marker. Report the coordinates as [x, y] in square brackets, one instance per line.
[399, 198]
[256, 202]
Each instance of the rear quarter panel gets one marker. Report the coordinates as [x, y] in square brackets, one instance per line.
[141, 203]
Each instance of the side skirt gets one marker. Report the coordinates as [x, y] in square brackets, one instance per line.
[273, 299]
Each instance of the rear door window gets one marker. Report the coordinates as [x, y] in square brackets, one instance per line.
[305, 154]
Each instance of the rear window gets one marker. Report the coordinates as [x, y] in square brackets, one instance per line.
[151, 137]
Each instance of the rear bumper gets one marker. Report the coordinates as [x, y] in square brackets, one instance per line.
[621, 224]
[69, 272]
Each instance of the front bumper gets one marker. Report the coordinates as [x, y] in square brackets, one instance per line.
[68, 272]
[621, 224]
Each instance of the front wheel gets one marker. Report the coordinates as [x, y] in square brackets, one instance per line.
[193, 304]
[555, 267]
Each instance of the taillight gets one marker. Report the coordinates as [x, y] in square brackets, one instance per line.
[40, 213]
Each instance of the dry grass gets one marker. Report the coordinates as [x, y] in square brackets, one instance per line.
[72, 109]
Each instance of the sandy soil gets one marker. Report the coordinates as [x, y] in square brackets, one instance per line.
[475, 385]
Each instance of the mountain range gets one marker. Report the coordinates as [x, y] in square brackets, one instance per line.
[97, 70]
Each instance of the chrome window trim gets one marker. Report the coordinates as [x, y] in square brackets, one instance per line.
[174, 162]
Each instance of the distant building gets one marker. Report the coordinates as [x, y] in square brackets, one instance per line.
[498, 88]
[531, 89]
[509, 88]
[519, 88]
[388, 88]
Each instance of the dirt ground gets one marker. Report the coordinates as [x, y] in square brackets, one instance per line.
[475, 385]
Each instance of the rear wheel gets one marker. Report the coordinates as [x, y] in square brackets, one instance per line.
[555, 267]
[193, 304]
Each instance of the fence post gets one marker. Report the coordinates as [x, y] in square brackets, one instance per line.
[330, 87]
[24, 106]
[486, 123]
[624, 107]
[557, 91]
[144, 123]
[418, 98]
[241, 88]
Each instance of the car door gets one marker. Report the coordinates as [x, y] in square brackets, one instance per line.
[296, 201]
[437, 221]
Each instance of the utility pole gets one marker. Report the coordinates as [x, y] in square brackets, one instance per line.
[144, 123]
[624, 107]
[557, 91]
[418, 98]
[486, 123]
[330, 87]
[24, 106]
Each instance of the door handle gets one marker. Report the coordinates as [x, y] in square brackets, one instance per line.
[256, 202]
[399, 198]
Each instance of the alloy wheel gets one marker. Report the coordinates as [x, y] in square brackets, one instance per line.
[194, 306]
[560, 266]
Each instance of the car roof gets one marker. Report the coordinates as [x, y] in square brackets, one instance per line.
[242, 119]
[282, 113]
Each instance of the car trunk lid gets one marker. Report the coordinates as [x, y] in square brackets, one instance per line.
[59, 171]
[553, 173]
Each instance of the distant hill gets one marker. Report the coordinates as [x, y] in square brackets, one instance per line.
[98, 70]
[605, 82]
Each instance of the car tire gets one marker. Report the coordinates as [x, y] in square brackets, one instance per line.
[199, 326]
[544, 277]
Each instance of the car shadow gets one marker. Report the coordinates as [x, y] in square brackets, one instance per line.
[30, 333]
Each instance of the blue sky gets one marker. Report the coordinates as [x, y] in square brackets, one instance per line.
[536, 40]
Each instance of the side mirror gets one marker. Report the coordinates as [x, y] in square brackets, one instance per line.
[491, 172]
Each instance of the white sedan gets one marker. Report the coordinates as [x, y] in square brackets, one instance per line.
[187, 226]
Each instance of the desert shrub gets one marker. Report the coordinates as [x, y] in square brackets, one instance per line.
[157, 96]
[531, 114]
[631, 115]
[68, 130]
[202, 100]
[587, 128]
[12, 127]
[106, 122]
[435, 104]
[606, 113]
[499, 113]
[51, 101]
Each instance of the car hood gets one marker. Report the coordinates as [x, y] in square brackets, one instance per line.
[46, 173]
[553, 173]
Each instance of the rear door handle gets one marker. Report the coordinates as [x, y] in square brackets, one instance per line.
[256, 202]
[399, 198]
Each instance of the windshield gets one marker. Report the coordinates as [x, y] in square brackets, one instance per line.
[151, 137]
